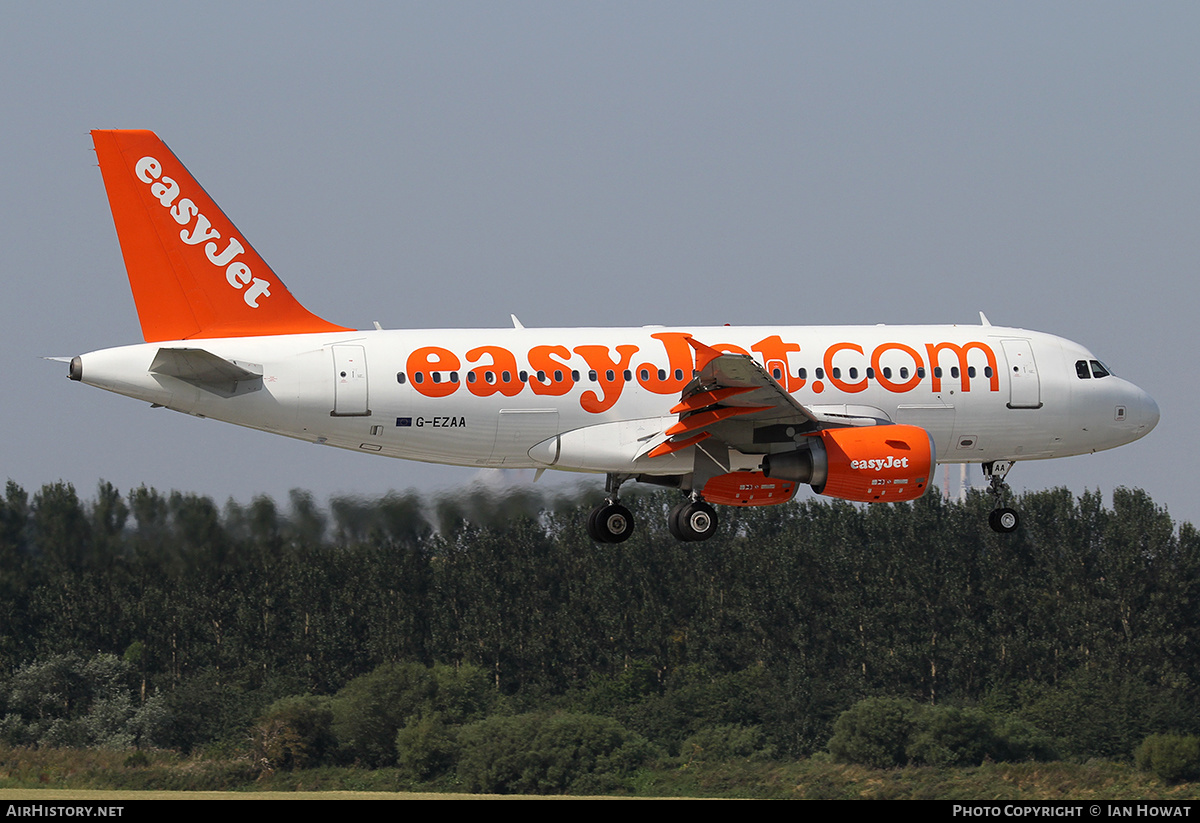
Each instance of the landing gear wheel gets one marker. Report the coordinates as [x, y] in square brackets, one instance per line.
[692, 521]
[673, 521]
[610, 523]
[1004, 520]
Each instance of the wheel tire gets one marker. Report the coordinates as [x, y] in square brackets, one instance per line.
[610, 523]
[695, 521]
[673, 521]
[593, 527]
[1004, 521]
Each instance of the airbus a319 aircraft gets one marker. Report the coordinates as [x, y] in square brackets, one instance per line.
[731, 416]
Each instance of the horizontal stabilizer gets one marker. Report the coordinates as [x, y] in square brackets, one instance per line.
[206, 371]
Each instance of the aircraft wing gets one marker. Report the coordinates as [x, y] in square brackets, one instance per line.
[736, 401]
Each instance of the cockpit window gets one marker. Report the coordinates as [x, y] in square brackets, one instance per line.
[1081, 369]
[1098, 369]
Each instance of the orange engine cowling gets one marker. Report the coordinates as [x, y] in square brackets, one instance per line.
[871, 464]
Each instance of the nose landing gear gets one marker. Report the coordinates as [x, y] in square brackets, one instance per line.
[1002, 519]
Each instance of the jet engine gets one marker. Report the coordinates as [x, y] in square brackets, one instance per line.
[871, 464]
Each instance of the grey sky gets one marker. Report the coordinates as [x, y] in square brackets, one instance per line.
[442, 165]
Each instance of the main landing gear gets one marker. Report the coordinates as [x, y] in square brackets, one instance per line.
[692, 520]
[610, 522]
[1002, 519]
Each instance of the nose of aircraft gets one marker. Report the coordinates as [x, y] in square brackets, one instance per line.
[1143, 412]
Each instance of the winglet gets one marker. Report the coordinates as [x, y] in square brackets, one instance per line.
[192, 272]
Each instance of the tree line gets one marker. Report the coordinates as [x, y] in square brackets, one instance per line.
[195, 618]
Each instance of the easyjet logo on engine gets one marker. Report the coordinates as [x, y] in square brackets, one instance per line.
[554, 370]
[879, 464]
[198, 229]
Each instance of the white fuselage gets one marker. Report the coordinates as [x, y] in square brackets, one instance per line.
[984, 393]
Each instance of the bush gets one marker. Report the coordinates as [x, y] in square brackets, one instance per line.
[952, 737]
[67, 700]
[549, 754]
[210, 708]
[727, 742]
[295, 733]
[426, 748]
[1105, 714]
[1020, 740]
[1172, 757]
[883, 732]
[874, 732]
[370, 711]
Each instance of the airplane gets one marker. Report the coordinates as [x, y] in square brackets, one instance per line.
[728, 416]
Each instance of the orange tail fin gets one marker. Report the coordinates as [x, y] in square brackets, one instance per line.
[191, 271]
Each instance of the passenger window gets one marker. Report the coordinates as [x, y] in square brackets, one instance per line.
[904, 372]
[453, 377]
[400, 377]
